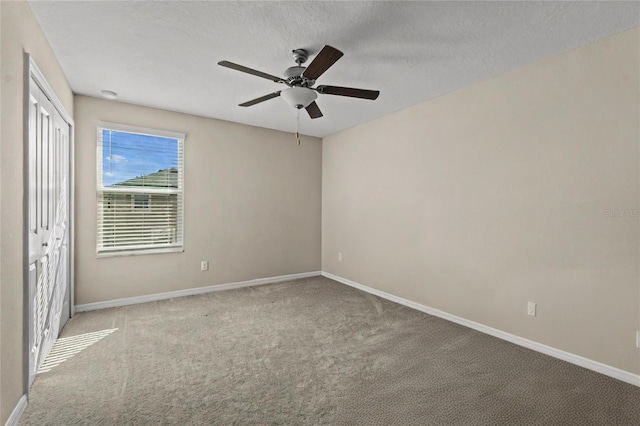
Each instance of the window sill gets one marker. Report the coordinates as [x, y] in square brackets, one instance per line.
[136, 252]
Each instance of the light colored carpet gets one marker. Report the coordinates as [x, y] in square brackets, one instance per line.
[310, 352]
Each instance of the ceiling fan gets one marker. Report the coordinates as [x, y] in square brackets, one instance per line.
[300, 80]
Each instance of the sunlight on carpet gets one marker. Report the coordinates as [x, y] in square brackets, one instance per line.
[67, 347]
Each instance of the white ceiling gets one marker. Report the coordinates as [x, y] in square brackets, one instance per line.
[165, 54]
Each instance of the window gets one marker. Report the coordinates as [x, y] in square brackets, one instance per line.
[140, 190]
[141, 201]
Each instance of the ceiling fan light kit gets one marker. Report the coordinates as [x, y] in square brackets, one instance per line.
[299, 97]
[300, 81]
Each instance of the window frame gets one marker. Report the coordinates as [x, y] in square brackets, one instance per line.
[178, 247]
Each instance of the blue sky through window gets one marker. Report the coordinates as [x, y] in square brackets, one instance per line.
[129, 155]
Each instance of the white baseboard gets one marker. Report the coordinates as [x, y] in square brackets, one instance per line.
[190, 292]
[17, 411]
[599, 367]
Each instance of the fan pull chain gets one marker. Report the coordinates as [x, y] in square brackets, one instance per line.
[298, 127]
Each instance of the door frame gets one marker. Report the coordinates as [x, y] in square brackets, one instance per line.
[32, 71]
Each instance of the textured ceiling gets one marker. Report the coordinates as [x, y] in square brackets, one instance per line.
[164, 54]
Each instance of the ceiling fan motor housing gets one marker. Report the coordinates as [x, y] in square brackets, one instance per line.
[294, 77]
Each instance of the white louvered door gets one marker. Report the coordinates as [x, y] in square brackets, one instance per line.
[48, 223]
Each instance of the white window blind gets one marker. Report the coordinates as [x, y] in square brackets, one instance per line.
[140, 190]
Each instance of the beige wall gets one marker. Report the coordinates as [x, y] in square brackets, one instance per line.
[252, 205]
[481, 200]
[20, 32]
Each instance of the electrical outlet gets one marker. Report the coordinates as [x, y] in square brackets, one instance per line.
[204, 265]
[531, 309]
[339, 256]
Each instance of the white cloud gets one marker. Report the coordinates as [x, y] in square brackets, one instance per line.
[117, 158]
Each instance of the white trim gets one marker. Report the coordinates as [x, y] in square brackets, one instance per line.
[26, 288]
[72, 221]
[38, 76]
[139, 130]
[17, 411]
[130, 251]
[191, 291]
[599, 367]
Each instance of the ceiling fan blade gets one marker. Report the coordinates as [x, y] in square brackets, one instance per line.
[260, 99]
[250, 71]
[322, 62]
[314, 110]
[349, 91]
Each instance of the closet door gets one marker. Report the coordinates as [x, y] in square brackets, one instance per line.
[48, 222]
